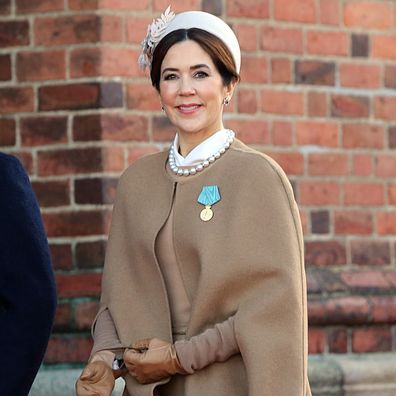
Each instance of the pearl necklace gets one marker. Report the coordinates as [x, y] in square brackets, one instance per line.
[204, 164]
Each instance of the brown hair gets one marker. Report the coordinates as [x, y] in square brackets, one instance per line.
[212, 45]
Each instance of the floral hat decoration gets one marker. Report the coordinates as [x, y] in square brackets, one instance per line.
[169, 22]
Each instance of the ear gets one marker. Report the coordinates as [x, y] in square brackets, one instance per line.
[230, 88]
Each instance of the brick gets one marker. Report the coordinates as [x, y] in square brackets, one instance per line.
[109, 62]
[27, 160]
[295, 10]
[79, 161]
[281, 71]
[137, 152]
[325, 253]
[142, 97]
[90, 254]
[5, 7]
[317, 133]
[349, 106]
[38, 6]
[74, 223]
[177, 5]
[371, 340]
[386, 165]
[353, 222]
[339, 311]
[281, 40]
[362, 165]
[364, 194]
[126, 5]
[329, 12]
[15, 100]
[319, 193]
[254, 70]
[5, 68]
[214, 7]
[112, 127]
[82, 5]
[80, 96]
[7, 135]
[363, 136]
[370, 253]
[61, 256]
[320, 222]
[112, 29]
[62, 317]
[68, 350]
[95, 190]
[316, 341]
[163, 130]
[247, 101]
[314, 72]
[386, 223]
[52, 193]
[360, 45]
[383, 309]
[327, 164]
[384, 46]
[282, 133]
[247, 36]
[337, 340]
[391, 276]
[368, 14]
[365, 281]
[136, 26]
[392, 194]
[328, 281]
[392, 137]
[85, 313]
[38, 131]
[384, 107]
[282, 102]
[291, 162]
[303, 216]
[327, 43]
[66, 30]
[250, 131]
[317, 104]
[360, 76]
[41, 66]
[390, 76]
[14, 33]
[248, 8]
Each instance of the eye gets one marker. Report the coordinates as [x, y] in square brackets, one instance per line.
[201, 74]
[170, 76]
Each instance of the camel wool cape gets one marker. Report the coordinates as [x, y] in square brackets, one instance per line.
[246, 261]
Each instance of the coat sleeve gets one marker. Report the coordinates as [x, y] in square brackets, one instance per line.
[27, 287]
[271, 321]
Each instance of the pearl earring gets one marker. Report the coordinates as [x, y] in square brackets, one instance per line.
[226, 101]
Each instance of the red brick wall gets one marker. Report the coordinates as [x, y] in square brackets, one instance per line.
[318, 93]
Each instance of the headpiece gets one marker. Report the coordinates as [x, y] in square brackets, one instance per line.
[169, 22]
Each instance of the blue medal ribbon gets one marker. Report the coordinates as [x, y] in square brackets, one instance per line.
[209, 195]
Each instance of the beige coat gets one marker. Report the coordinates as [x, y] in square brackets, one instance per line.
[247, 260]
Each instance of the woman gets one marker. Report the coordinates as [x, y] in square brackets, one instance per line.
[204, 286]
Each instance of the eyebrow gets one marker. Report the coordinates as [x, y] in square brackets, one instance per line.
[169, 69]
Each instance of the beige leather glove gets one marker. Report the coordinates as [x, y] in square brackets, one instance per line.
[151, 360]
[97, 378]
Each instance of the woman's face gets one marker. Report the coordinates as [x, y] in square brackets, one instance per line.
[192, 90]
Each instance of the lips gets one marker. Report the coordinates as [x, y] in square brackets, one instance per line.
[188, 108]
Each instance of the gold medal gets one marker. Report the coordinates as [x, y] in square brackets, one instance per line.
[206, 214]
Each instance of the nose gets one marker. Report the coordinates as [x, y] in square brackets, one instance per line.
[186, 87]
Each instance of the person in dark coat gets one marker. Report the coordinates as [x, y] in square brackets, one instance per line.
[27, 286]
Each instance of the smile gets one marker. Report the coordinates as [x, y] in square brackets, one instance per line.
[188, 108]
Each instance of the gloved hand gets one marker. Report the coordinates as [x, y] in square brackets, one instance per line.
[97, 378]
[151, 360]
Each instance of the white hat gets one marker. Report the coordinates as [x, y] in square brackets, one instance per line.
[169, 22]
